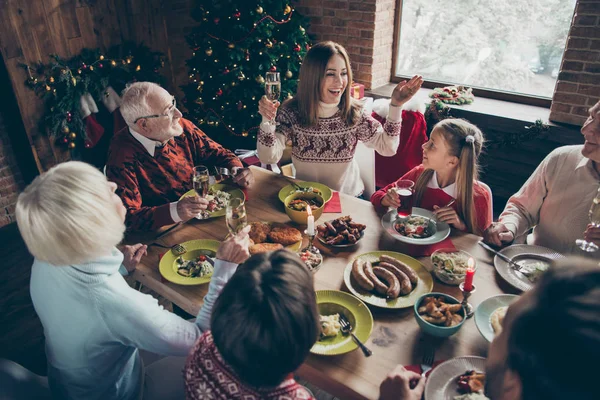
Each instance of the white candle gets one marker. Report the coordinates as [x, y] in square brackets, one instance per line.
[310, 222]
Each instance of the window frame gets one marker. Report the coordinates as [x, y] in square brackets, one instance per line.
[512, 97]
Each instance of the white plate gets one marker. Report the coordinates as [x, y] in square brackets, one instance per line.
[521, 253]
[442, 229]
[441, 384]
[484, 311]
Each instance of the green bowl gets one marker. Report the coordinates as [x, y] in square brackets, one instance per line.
[435, 330]
[300, 217]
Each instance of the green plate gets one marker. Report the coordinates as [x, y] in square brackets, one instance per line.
[168, 265]
[289, 189]
[332, 302]
[233, 190]
[424, 285]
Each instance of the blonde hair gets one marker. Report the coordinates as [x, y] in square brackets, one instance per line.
[135, 101]
[457, 133]
[312, 73]
[68, 216]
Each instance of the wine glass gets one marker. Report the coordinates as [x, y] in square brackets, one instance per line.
[272, 87]
[200, 180]
[594, 215]
[235, 215]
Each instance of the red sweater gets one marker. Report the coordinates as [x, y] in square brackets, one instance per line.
[482, 198]
[147, 184]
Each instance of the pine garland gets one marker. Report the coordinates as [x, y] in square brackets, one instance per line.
[61, 83]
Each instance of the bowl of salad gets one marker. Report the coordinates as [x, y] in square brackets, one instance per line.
[297, 203]
[450, 265]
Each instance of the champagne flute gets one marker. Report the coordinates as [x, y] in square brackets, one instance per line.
[594, 215]
[272, 87]
[235, 215]
[200, 180]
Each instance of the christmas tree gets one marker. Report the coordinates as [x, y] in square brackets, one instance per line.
[234, 45]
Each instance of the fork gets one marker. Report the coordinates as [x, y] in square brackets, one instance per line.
[428, 358]
[347, 329]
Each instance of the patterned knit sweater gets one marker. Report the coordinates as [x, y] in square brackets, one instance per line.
[324, 153]
[148, 184]
[207, 376]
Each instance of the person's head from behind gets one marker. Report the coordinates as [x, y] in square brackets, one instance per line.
[591, 133]
[452, 151]
[151, 111]
[70, 215]
[265, 320]
[550, 343]
[324, 76]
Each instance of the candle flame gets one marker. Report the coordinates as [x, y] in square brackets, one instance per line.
[471, 263]
[308, 210]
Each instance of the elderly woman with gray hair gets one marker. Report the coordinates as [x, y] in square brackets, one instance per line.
[94, 323]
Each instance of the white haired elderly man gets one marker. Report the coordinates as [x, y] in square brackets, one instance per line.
[556, 198]
[152, 160]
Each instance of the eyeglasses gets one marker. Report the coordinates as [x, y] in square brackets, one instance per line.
[169, 113]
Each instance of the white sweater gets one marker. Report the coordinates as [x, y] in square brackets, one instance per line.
[555, 201]
[94, 324]
[324, 153]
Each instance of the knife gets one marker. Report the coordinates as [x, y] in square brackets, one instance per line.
[510, 262]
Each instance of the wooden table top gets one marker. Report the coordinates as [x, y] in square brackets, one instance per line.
[396, 337]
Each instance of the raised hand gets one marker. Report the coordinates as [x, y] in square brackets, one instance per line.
[267, 108]
[404, 91]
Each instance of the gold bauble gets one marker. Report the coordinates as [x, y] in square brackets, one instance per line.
[269, 44]
[208, 52]
[260, 79]
[288, 74]
[302, 30]
[259, 10]
[74, 81]
[47, 88]
[91, 67]
[241, 77]
[51, 79]
[72, 135]
[65, 129]
[245, 133]
[287, 10]
[72, 145]
[101, 57]
[231, 45]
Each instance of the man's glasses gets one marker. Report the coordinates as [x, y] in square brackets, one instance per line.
[168, 114]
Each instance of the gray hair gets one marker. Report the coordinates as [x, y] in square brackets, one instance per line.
[135, 101]
[67, 215]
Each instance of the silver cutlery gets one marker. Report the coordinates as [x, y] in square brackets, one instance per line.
[347, 329]
[428, 357]
[514, 265]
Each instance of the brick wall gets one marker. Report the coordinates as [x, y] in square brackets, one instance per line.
[11, 181]
[578, 85]
[364, 27]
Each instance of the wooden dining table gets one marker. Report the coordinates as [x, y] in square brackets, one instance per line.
[396, 338]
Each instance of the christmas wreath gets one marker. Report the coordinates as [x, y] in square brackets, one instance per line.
[453, 95]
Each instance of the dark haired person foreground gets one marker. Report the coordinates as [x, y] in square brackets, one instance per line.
[549, 347]
[263, 325]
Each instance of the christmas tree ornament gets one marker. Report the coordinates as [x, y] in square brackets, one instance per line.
[241, 76]
[273, 68]
[260, 79]
[72, 145]
[259, 10]
[269, 44]
[113, 63]
[91, 67]
[287, 10]
[245, 133]
[302, 29]
[65, 129]
[216, 21]
[100, 65]
[297, 48]
[72, 135]
[51, 79]
[209, 52]
[48, 88]
[288, 74]
[101, 57]
[220, 92]
[240, 105]
[231, 45]
[137, 69]
[237, 14]
[87, 145]
[65, 140]
[225, 71]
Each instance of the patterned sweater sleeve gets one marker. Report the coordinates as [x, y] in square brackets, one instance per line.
[208, 151]
[138, 218]
[383, 139]
[271, 139]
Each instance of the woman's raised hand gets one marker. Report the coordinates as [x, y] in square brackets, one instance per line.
[267, 108]
[404, 91]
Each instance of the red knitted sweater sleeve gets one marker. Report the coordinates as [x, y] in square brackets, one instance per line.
[412, 175]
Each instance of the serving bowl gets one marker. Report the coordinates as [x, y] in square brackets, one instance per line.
[445, 270]
[300, 217]
[436, 330]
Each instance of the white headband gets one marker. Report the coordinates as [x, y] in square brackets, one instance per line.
[469, 138]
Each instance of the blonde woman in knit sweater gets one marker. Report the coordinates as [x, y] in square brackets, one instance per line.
[324, 123]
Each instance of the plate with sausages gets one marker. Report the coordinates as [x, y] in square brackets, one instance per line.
[387, 279]
[341, 232]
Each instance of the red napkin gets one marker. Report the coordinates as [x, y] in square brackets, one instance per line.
[422, 251]
[334, 205]
[252, 160]
[418, 370]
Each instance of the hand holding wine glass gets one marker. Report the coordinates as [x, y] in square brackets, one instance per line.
[272, 89]
[200, 180]
[594, 215]
[235, 215]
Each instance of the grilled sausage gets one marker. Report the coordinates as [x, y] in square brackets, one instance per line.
[405, 286]
[408, 271]
[394, 285]
[380, 287]
[332, 230]
[358, 272]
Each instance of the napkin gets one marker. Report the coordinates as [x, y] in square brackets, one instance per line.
[334, 204]
[417, 368]
[422, 251]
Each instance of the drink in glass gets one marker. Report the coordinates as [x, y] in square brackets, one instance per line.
[404, 190]
[235, 215]
[200, 180]
[272, 86]
[594, 215]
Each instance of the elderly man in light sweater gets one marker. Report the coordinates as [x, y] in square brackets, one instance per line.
[556, 198]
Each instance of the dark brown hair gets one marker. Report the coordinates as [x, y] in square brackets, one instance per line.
[266, 320]
[312, 73]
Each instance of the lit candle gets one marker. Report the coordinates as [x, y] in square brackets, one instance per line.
[470, 273]
[310, 222]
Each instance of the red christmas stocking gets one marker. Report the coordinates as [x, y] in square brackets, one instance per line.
[112, 102]
[93, 130]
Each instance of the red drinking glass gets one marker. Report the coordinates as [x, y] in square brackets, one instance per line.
[405, 190]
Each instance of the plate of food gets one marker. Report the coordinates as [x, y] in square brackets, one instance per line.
[271, 236]
[460, 378]
[332, 303]
[533, 262]
[218, 195]
[489, 315]
[306, 187]
[313, 260]
[421, 227]
[194, 267]
[387, 279]
[340, 232]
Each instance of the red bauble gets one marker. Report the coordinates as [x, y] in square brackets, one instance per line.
[225, 71]
[65, 140]
[297, 48]
[100, 65]
[216, 21]
[237, 14]
[273, 68]
[219, 92]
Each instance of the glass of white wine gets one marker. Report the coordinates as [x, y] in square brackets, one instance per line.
[235, 215]
[200, 180]
[594, 214]
[272, 87]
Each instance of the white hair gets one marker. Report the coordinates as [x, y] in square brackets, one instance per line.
[67, 215]
[135, 101]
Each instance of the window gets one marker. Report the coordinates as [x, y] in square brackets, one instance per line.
[501, 47]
